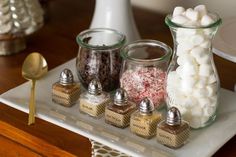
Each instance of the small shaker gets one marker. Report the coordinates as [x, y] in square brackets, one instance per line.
[66, 91]
[144, 122]
[94, 100]
[173, 132]
[118, 112]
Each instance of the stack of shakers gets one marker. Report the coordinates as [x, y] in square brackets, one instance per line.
[121, 112]
[192, 86]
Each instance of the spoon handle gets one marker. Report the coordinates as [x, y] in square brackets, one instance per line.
[31, 118]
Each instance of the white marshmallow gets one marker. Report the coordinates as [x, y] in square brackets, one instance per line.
[195, 122]
[209, 111]
[186, 87]
[186, 58]
[196, 111]
[190, 101]
[182, 110]
[192, 24]
[204, 119]
[206, 20]
[179, 19]
[205, 70]
[208, 31]
[212, 89]
[189, 69]
[206, 44]
[181, 48]
[203, 102]
[202, 81]
[179, 71]
[214, 100]
[196, 39]
[201, 9]
[212, 79]
[197, 52]
[201, 55]
[191, 14]
[183, 32]
[199, 92]
[178, 11]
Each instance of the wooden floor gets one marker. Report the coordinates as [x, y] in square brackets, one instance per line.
[56, 41]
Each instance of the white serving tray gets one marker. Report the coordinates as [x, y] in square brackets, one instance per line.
[202, 143]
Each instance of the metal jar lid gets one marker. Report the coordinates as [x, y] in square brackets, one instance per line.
[66, 77]
[146, 106]
[173, 116]
[121, 97]
[95, 87]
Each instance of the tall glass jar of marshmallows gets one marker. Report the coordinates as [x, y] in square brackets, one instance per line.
[192, 80]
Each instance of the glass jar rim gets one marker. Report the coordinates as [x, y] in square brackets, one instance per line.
[216, 23]
[147, 42]
[118, 44]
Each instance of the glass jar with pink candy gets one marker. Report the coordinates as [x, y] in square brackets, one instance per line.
[143, 70]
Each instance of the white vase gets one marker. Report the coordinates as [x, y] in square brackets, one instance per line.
[115, 14]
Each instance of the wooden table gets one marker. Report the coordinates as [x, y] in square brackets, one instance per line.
[56, 41]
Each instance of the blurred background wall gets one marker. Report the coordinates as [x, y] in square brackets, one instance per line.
[225, 8]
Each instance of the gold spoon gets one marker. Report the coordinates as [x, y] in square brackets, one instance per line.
[34, 67]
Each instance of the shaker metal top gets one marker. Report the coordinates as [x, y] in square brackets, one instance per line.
[173, 116]
[66, 77]
[146, 106]
[121, 97]
[95, 87]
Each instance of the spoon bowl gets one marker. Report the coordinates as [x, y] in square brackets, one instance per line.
[34, 67]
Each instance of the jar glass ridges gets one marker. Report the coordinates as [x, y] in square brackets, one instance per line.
[192, 80]
[144, 70]
[99, 57]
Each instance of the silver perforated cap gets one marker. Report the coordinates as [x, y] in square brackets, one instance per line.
[95, 87]
[146, 106]
[66, 77]
[173, 116]
[121, 97]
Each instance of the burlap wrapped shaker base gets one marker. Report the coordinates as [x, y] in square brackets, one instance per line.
[100, 150]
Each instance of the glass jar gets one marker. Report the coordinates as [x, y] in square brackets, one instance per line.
[192, 80]
[143, 72]
[99, 57]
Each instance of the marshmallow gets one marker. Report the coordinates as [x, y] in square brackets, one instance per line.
[201, 9]
[184, 47]
[204, 102]
[200, 92]
[206, 20]
[204, 119]
[208, 31]
[205, 70]
[214, 100]
[212, 79]
[183, 32]
[189, 69]
[190, 101]
[197, 52]
[201, 55]
[179, 19]
[178, 11]
[209, 111]
[195, 122]
[196, 39]
[196, 111]
[185, 58]
[206, 44]
[182, 110]
[212, 89]
[179, 71]
[192, 14]
[202, 81]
